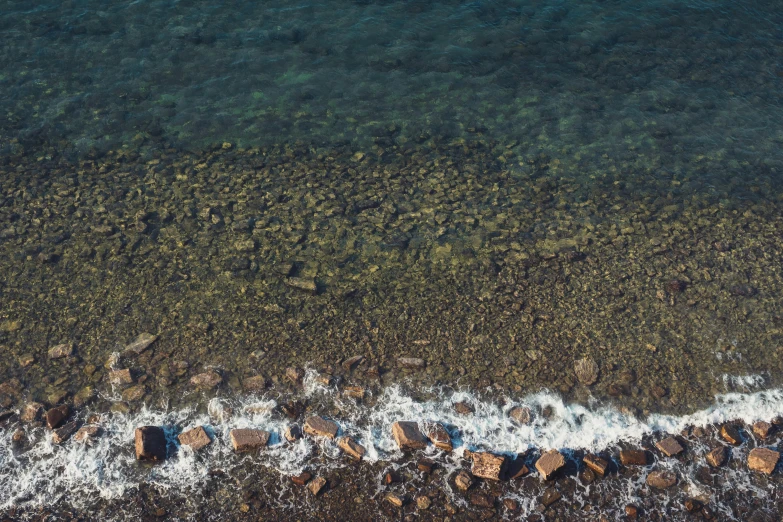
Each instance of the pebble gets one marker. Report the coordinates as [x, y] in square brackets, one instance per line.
[411, 362]
[60, 351]
[482, 500]
[394, 500]
[423, 502]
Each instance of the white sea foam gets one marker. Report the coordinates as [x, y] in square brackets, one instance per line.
[108, 470]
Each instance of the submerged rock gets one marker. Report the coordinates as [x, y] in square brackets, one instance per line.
[60, 351]
[87, 434]
[586, 371]
[206, 380]
[56, 416]
[411, 362]
[141, 343]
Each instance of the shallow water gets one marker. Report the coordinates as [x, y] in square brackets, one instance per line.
[499, 188]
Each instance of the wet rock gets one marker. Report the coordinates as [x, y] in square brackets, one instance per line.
[354, 392]
[520, 414]
[31, 411]
[351, 447]
[743, 290]
[463, 480]
[394, 500]
[56, 416]
[391, 478]
[350, 363]
[633, 457]
[411, 362]
[550, 496]
[255, 383]
[120, 376]
[717, 456]
[64, 432]
[302, 283]
[661, 479]
[510, 504]
[489, 466]
[316, 485]
[292, 409]
[87, 434]
[731, 434]
[150, 443]
[586, 371]
[425, 465]
[292, 433]
[196, 438]
[18, 436]
[437, 435]
[248, 439]
[549, 463]
[597, 464]
[295, 375]
[407, 436]
[482, 500]
[631, 511]
[669, 446]
[463, 408]
[60, 351]
[319, 427]
[762, 429]
[141, 343]
[301, 479]
[692, 505]
[763, 460]
[423, 502]
[206, 380]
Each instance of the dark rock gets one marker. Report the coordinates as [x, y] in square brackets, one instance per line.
[669, 446]
[731, 434]
[692, 505]
[550, 496]
[510, 504]
[56, 416]
[717, 456]
[631, 511]
[597, 464]
[64, 432]
[350, 363]
[425, 465]
[661, 479]
[60, 351]
[302, 283]
[463, 408]
[482, 500]
[150, 443]
[301, 479]
[437, 435]
[517, 469]
[87, 434]
[743, 290]
[292, 433]
[463, 480]
[675, 286]
[633, 457]
[295, 375]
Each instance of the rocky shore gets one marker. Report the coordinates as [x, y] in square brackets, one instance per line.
[701, 473]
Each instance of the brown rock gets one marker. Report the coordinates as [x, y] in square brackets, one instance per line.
[511, 504]
[488, 465]
[437, 435]
[482, 500]
[394, 500]
[411, 362]
[631, 511]
[141, 343]
[763, 460]
[255, 383]
[391, 478]
[408, 436]
[661, 479]
[692, 505]
[56, 416]
[354, 392]
[295, 375]
[517, 469]
[669, 446]
[463, 480]
[520, 414]
[731, 434]
[550, 496]
[549, 463]
[633, 457]
[64, 432]
[319, 427]
[120, 376]
[316, 485]
[717, 456]
[60, 351]
[425, 465]
[351, 447]
[31, 411]
[350, 363]
[248, 439]
[762, 429]
[301, 479]
[87, 434]
[423, 502]
[597, 464]
[150, 443]
[675, 286]
[292, 433]
[586, 371]
[463, 408]
[206, 380]
[196, 438]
